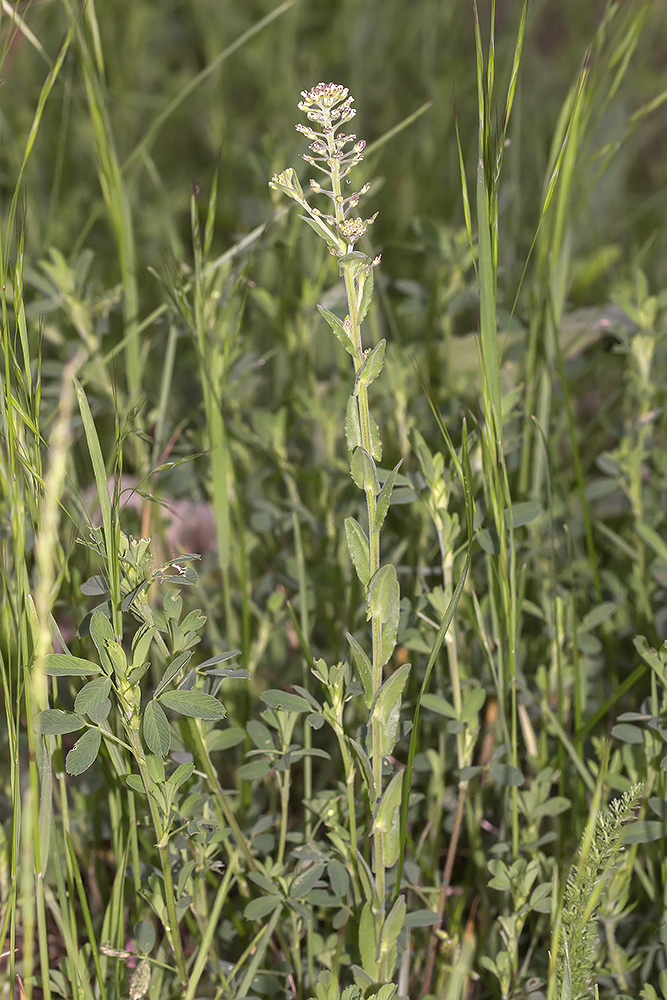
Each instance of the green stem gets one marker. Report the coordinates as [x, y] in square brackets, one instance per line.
[374, 556]
[163, 850]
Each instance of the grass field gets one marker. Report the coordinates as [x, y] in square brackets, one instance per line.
[333, 592]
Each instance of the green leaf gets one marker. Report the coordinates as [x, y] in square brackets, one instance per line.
[391, 928]
[367, 942]
[84, 752]
[157, 731]
[387, 707]
[388, 819]
[376, 443]
[134, 782]
[141, 644]
[366, 770]
[322, 231]
[382, 604]
[257, 909]
[64, 665]
[524, 512]
[364, 472]
[372, 366]
[352, 426]
[366, 298]
[224, 739]
[364, 668]
[193, 622]
[194, 704]
[144, 935]
[254, 770]
[365, 878]
[505, 774]
[435, 703]
[359, 549]
[305, 881]
[100, 713]
[55, 722]
[181, 774]
[264, 882]
[101, 633]
[422, 918]
[626, 733]
[339, 878]
[644, 831]
[597, 616]
[650, 657]
[472, 706]
[384, 498]
[92, 695]
[338, 328]
[155, 766]
[540, 898]
[285, 701]
[260, 735]
[172, 670]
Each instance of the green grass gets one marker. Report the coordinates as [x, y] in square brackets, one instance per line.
[365, 685]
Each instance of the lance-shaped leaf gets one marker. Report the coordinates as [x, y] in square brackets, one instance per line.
[388, 820]
[352, 427]
[353, 262]
[391, 928]
[84, 752]
[157, 731]
[172, 670]
[339, 329]
[339, 878]
[366, 770]
[55, 722]
[385, 497]
[141, 644]
[382, 604]
[368, 942]
[366, 288]
[305, 881]
[64, 665]
[372, 366]
[101, 632]
[387, 708]
[359, 549]
[194, 704]
[92, 695]
[366, 878]
[285, 701]
[364, 472]
[364, 669]
[376, 443]
[322, 230]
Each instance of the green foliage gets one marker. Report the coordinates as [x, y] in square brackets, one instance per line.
[431, 574]
[585, 885]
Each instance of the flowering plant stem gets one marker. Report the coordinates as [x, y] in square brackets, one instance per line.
[329, 106]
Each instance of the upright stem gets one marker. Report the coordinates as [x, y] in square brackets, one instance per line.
[374, 548]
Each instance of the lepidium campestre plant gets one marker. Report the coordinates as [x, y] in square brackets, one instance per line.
[328, 107]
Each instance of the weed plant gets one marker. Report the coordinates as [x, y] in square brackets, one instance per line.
[328, 680]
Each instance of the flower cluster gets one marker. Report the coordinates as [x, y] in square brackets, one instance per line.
[334, 153]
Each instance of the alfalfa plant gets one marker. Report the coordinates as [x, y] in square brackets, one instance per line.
[112, 709]
[328, 107]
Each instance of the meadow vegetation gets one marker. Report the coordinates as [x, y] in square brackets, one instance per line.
[333, 568]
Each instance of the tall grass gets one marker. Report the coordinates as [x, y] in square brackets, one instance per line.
[325, 679]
